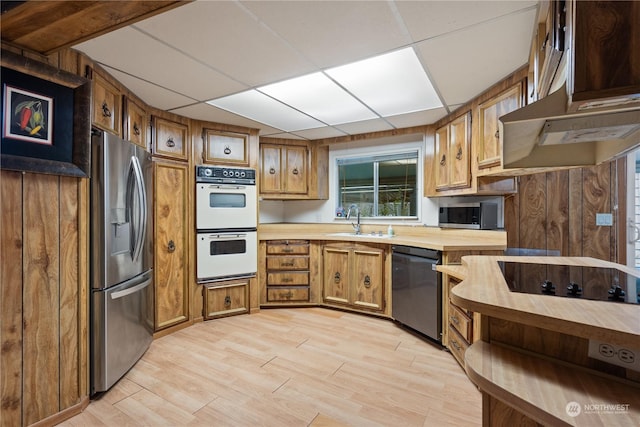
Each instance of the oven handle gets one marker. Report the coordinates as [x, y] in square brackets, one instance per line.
[224, 236]
[225, 187]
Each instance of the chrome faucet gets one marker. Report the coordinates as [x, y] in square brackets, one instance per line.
[355, 226]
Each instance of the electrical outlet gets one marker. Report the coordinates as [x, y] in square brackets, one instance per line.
[615, 354]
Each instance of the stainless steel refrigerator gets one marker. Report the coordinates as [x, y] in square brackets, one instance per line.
[121, 306]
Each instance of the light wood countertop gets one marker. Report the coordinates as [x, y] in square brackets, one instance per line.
[485, 291]
[417, 236]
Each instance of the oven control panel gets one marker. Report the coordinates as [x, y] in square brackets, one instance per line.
[226, 175]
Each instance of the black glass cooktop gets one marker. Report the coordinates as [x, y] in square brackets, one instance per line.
[592, 283]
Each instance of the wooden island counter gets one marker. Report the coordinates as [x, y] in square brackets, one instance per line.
[532, 362]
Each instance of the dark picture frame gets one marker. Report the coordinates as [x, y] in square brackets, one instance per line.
[46, 121]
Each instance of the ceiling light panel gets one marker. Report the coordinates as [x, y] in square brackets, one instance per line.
[261, 108]
[318, 96]
[390, 84]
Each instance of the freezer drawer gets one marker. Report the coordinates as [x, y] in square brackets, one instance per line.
[122, 329]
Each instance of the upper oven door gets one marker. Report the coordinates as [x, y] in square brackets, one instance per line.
[224, 206]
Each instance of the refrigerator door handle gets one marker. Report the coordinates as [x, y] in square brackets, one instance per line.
[131, 290]
[140, 227]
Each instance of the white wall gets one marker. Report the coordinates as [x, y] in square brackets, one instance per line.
[323, 211]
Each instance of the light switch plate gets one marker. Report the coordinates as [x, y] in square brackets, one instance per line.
[604, 219]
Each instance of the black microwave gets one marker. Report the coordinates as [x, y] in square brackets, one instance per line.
[477, 216]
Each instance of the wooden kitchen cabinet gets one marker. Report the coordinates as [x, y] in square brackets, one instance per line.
[283, 169]
[135, 123]
[225, 299]
[293, 170]
[287, 270]
[489, 143]
[170, 139]
[452, 145]
[354, 276]
[106, 110]
[225, 148]
[171, 254]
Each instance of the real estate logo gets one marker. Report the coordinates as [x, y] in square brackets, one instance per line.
[573, 409]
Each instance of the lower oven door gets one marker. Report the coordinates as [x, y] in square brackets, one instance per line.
[223, 255]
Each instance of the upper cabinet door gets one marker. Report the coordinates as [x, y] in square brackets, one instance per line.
[296, 170]
[459, 149]
[270, 169]
[489, 146]
[135, 126]
[170, 139]
[222, 147]
[107, 103]
[442, 157]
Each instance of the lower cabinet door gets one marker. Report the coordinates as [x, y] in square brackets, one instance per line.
[368, 281]
[336, 275]
[226, 299]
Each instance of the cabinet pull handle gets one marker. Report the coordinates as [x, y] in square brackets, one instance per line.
[459, 154]
[272, 171]
[287, 250]
[227, 301]
[295, 171]
[497, 134]
[456, 345]
[367, 281]
[171, 247]
[170, 143]
[288, 295]
[136, 129]
[286, 264]
[106, 112]
[287, 280]
[443, 160]
[336, 277]
[454, 319]
[227, 150]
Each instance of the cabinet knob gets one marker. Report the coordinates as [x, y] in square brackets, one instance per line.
[443, 160]
[454, 320]
[272, 171]
[497, 134]
[170, 142]
[367, 281]
[459, 153]
[136, 129]
[455, 344]
[106, 112]
[227, 301]
[171, 247]
[336, 277]
[295, 171]
[227, 150]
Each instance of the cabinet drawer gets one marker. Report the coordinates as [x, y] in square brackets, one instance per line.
[225, 300]
[289, 278]
[459, 320]
[457, 345]
[291, 247]
[287, 294]
[288, 263]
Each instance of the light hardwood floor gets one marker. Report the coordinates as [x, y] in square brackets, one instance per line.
[290, 367]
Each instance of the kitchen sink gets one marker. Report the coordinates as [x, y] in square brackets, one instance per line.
[363, 235]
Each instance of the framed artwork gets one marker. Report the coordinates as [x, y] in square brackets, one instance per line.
[46, 123]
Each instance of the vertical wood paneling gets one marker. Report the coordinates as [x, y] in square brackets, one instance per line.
[69, 301]
[11, 298]
[41, 294]
[596, 198]
[557, 219]
[532, 217]
[575, 207]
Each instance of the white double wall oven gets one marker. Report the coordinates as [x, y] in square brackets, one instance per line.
[226, 223]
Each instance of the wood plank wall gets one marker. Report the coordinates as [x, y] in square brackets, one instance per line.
[556, 211]
[43, 278]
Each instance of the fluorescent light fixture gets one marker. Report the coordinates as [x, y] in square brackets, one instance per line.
[259, 107]
[383, 86]
[318, 96]
[390, 84]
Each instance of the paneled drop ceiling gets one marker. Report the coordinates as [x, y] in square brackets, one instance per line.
[205, 50]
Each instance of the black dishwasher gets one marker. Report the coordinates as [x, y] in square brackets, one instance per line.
[416, 290]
